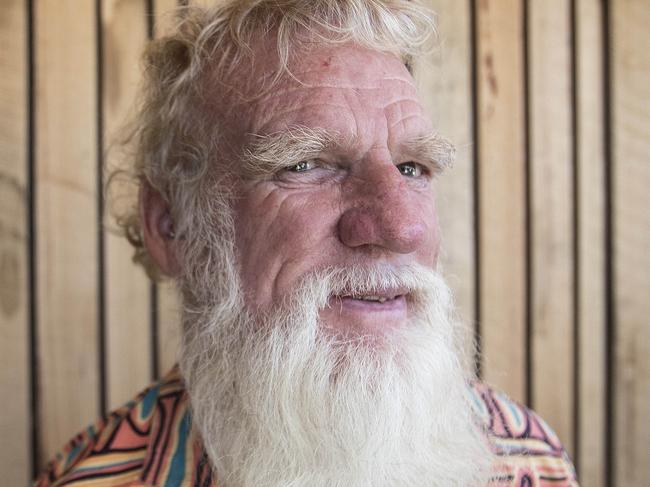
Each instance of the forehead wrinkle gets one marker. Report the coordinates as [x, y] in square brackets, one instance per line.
[334, 73]
[402, 120]
[271, 124]
[398, 113]
[401, 100]
[402, 108]
[299, 108]
[353, 87]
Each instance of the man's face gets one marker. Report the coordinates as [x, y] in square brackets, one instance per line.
[333, 204]
[359, 195]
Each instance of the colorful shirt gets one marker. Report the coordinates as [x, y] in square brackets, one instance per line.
[150, 442]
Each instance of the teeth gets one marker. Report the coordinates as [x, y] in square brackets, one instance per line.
[380, 299]
[369, 297]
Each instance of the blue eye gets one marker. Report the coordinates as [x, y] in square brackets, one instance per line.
[410, 169]
[302, 166]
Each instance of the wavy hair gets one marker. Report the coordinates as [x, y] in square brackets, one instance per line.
[172, 142]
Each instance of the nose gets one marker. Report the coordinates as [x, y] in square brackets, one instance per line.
[383, 214]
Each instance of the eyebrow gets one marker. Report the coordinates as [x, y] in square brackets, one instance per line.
[431, 149]
[267, 154]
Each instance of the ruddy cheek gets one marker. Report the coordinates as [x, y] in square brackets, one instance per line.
[430, 250]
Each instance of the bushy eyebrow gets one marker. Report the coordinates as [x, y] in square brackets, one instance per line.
[268, 154]
[265, 155]
[432, 149]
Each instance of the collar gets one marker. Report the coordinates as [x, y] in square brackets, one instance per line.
[175, 455]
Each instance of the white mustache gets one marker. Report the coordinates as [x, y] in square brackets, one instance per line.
[421, 284]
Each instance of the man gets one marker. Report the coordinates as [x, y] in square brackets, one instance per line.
[286, 166]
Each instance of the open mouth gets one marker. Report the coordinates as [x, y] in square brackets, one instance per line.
[384, 300]
[373, 298]
[368, 312]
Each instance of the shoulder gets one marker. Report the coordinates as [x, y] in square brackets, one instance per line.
[528, 450]
[115, 446]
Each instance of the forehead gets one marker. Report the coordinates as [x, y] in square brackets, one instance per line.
[347, 88]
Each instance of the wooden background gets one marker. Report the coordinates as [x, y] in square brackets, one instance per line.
[545, 217]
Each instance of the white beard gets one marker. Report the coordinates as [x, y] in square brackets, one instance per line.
[280, 401]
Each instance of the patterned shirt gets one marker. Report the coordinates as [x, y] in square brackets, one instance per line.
[150, 442]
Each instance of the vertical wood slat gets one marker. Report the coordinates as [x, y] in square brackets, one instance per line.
[631, 146]
[203, 3]
[124, 33]
[164, 15]
[14, 244]
[168, 312]
[66, 117]
[590, 176]
[66, 155]
[501, 156]
[445, 87]
[551, 226]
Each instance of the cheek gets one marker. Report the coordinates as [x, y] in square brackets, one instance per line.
[279, 237]
[431, 246]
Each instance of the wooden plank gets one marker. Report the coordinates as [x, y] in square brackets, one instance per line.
[169, 328]
[15, 454]
[631, 130]
[164, 14]
[501, 153]
[444, 80]
[551, 162]
[66, 153]
[128, 337]
[591, 250]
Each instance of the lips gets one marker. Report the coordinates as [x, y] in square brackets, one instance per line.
[375, 295]
[376, 299]
[367, 312]
[371, 297]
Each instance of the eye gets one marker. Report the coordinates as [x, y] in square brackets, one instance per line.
[410, 169]
[302, 166]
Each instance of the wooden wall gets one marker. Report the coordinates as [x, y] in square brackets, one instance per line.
[545, 220]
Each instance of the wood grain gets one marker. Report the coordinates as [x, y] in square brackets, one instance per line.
[66, 161]
[551, 237]
[444, 80]
[66, 111]
[164, 14]
[14, 244]
[128, 329]
[631, 130]
[203, 3]
[501, 153]
[591, 233]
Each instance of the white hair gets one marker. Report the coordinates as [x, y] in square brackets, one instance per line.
[174, 141]
[280, 401]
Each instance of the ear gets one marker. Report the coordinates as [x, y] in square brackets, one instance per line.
[158, 230]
